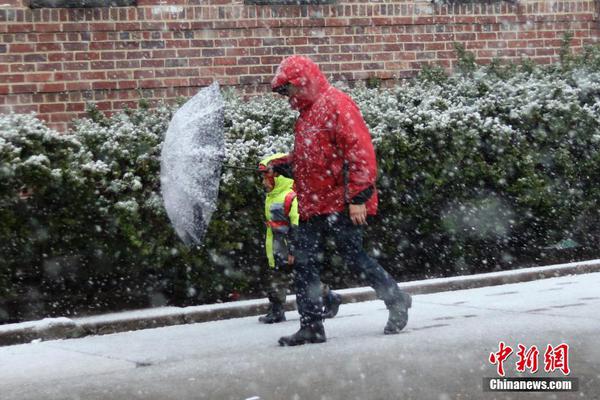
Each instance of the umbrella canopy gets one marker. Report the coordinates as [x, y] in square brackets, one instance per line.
[191, 160]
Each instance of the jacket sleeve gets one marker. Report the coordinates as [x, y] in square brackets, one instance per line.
[294, 216]
[294, 220]
[354, 141]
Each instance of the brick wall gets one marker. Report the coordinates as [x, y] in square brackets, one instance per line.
[53, 61]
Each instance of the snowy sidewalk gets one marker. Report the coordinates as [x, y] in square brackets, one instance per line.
[442, 354]
[62, 328]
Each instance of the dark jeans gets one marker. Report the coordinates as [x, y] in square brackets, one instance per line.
[280, 279]
[310, 241]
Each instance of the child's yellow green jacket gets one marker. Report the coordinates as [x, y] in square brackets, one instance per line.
[281, 213]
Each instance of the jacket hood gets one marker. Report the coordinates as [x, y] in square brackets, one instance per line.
[305, 75]
[265, 161]
[281, 182]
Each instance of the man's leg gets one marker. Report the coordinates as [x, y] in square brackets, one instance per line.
[331, 301]
[308, 255]
[349, 242]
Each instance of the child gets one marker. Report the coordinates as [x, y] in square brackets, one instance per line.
[281, 212]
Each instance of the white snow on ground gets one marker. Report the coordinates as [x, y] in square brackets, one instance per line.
[37, 325]
[129, 315]
[442, 353]
[175, 311]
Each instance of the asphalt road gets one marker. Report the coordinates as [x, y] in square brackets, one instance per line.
[443, 353]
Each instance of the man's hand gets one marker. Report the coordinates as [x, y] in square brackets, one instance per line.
[358, 214]
[290, 260]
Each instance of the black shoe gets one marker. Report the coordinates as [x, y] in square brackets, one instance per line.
[398, 315]
[272, 317]
[333, 306]
[310, 333]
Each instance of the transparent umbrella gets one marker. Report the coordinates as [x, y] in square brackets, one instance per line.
[191, 161]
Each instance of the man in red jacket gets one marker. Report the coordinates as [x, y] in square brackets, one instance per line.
[334, 167]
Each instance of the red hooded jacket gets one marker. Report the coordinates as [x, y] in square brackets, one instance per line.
[333, 158]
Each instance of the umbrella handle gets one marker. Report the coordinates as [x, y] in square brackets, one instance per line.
[240, 168]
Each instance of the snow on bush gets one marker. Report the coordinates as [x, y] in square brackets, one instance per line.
[477, 170]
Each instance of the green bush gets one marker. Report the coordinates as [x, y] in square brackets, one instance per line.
[491, 168]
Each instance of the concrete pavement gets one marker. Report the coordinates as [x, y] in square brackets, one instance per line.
[62, 328]
[443, 354]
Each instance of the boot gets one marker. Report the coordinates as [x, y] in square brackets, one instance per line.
[276, 314]
[332, 305]
[308, 333]
[398, 315]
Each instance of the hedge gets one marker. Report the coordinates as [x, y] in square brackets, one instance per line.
[492, 168]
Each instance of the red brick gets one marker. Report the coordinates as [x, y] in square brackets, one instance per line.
[61, 117]
[73, 86]
[259, 51]
[44, 77]
[328, 49]
[200, 81]
[236, 71]
[271, 60]
[263, 69]
[44, 47]
[113, 55]
[21, 47]
[347, 66]
[104, 85]
[102, 46]
[119, 105]
[545, 52]
[154, 64]
[225, 61]
[247, 42]
[143, 74]
[236, 52]
[23, 88]
[186, 53]
[165, 73]
[150, 83]
[80, 107]
[176, 82]
[200, 62]
[102, 65]
[119, 75]
[25, 109]
[414, 46]
[51, 87]
[435, 46]
[87, 56]
[383, 57]
[60, 57]
[53, 107]
[341, 57]
[13, 78]
[76, 66]
[75, 27]
[164, 54]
